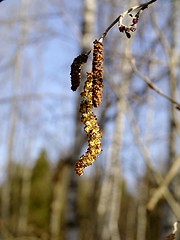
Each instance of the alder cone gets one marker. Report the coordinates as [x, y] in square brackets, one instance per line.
[97, 71]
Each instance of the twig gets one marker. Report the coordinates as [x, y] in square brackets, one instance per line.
[119, 20]
[171, 236]
[148, 160]
[175, 227]
[152, 85]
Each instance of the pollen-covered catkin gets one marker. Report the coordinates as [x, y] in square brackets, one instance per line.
[91, 97]
[91, 127]
[97, 71]
[76, 70]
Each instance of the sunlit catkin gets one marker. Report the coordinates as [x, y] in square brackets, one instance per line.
[97, 71]
[91, 127]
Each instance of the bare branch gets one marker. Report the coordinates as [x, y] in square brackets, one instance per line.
[152, 85]
[119, 20]
[175, 227]
[171, 236]
[148, 160]
[168, 178]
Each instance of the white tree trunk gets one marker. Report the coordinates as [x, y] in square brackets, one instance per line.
[87, 37]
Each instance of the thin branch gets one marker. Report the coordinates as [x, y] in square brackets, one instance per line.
[119, 19]
[172, 234]
[164, 184]
[148, 160]
[175, 227]
[152, 85]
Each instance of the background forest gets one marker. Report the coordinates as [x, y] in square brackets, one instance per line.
[132, 191]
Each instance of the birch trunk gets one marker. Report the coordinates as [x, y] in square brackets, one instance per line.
[110, 197]
[174, 122]
[86, 43]
[26, 174]
[59, 193]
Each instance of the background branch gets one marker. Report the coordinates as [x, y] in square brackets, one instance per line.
[151, 84]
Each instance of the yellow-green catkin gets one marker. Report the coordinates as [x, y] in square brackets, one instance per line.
[91, 127]
[91, 97]
[97, 71]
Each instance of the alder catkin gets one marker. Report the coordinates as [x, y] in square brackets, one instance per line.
[91, 97]
[91, 127]
[76, 70]
[97, 71]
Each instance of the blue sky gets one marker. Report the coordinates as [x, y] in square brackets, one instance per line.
[44, 70]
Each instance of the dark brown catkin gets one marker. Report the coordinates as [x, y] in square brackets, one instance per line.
[97, 71]
[76, 70]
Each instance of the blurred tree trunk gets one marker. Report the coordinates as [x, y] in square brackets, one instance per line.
[24, 200]
[26, 173]
[173, 67]
[110, 197]
[88, 30]
[6, 190]
[58, 203]
[174, 126]
[72, 224]
[141, 214]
